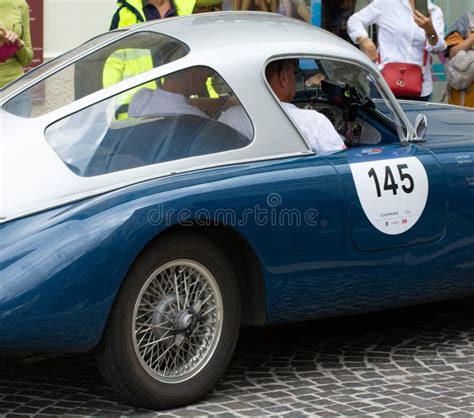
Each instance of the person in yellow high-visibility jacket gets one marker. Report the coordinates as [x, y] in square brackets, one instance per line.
[126, 63]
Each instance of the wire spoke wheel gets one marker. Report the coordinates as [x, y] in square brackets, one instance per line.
[174, 325]
[177, 321]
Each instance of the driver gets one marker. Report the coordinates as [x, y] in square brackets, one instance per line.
[315, 127]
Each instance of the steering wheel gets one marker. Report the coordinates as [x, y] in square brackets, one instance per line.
[349, 100]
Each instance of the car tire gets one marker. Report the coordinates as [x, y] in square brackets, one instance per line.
[173, 326]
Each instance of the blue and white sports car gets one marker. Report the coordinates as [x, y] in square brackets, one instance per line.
[137, 220]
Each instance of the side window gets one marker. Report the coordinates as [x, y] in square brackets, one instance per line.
[129, 56]
[350, 98]
[189, 113]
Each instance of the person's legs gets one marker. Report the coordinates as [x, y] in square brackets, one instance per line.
[247, 5]
[303, 10]
[262, 5]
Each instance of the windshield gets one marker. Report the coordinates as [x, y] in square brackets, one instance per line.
[323, 78]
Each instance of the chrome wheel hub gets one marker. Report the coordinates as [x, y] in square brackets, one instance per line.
[186, 321]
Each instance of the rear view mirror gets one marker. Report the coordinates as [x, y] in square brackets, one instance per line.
[421, 126]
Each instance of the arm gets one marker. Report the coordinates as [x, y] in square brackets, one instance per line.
[368, 48]
[465, 45]
[332, 140]
[25, 53]
[457, 37]
[357, 28]
[433, 26]
[114, 68]
[359, 22]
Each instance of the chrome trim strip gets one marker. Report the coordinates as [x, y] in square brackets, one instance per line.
[75, 198]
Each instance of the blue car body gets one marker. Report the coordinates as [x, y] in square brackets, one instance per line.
[61, 269]
[291, 220]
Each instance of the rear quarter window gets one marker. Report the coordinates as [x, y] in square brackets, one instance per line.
[189, 113]
[125, 58]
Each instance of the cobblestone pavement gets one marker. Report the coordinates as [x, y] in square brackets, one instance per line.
[415, 361]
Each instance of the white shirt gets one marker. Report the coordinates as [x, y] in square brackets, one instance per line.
[400, 39]
[151, 103]
[316, 128]
[237, 119]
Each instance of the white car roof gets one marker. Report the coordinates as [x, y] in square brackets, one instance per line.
[256, 32]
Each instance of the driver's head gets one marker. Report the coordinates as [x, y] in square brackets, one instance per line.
[281, 77]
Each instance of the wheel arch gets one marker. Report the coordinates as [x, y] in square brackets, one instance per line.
[243, 258]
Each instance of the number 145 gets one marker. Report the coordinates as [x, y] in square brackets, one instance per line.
[408, 184]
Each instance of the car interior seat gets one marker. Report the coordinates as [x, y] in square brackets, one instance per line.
[144, 142]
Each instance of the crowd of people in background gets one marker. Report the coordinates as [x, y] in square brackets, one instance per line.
[405, 38]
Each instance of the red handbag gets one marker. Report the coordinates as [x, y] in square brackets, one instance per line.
[7, 50]
[405, 80]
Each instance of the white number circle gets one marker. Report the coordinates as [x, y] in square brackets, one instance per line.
[393, 193]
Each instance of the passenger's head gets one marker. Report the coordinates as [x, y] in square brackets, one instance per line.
[188, 82]
[281, 77]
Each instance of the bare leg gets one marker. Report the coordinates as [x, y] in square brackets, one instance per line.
[262, 5]
[304, 12]
[247, 5]
[274, 6]
[287, 7]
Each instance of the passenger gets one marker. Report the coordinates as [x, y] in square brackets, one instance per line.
[172, 98]
[315, 127]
